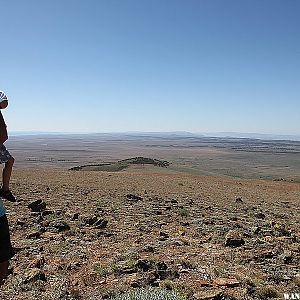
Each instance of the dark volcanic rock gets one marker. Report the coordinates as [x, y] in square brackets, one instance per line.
[161, 266]
[133, 197]
[38, 263]
[21, 222]
[164, 272]
[104, 234]
[262, 255]
[47, 212]
[89, 220]
[34, 275]
[239, 200]
[234, 239]
[260, 215]
[37, 206]
[75, 216]
[152, 278]
[286, 257]
[33, 235]
[143, 265]
[94, 221]
[59, 225]
[101, 223]
[148, 248]
[255, 229]
[163, 236]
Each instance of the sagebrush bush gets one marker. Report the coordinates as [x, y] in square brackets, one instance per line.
[149, 294]
[267, 292]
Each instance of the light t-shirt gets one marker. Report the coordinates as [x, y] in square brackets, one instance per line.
[2, 208]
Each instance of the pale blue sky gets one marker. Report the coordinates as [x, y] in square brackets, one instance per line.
[151, 65]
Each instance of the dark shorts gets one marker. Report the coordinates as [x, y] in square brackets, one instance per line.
[6, 250]
[4, 154]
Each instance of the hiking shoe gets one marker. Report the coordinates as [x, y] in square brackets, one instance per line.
[7, 195]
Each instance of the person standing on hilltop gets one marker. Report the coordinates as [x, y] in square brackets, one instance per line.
[6, 250]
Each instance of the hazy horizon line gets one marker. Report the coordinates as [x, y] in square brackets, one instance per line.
[224, 134]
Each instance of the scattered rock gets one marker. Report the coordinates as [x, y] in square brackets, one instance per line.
[38, 217]
[59, 225]
[163, 236]
[164, 272]
[148, 248]
[255, 230]
[94, 221]
[21, 222]
[89, 220]
[239, 200]
[234, 239]
[74, 216]
[228, 282]
[37, 206]
[101, 223]
[124, 267]
[185, 224]
[286, 257]
[33, 235]
[34, 275]
[161, 266]
[268, 254]
[179, 243]
[51, 236]
[74, 266]
[133, 197]
[47, 212]
[260, 215]
[144, 265]
[203, 282]
[135, 281]
[153, 232]
[281, 230]
[152, 278]
[38, 263]
[105, 234]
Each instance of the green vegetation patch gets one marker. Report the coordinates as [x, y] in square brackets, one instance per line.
[122, 164]
[149, 294]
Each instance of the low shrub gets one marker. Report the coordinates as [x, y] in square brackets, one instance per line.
[149, 294]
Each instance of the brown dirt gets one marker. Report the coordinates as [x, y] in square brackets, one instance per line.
[173, 238]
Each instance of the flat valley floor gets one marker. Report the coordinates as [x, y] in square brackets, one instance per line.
[233, 157]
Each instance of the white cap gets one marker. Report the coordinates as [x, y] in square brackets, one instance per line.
[3, 96]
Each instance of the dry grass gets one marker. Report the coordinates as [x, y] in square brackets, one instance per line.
[173, 238]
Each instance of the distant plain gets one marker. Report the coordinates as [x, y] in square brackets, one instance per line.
[234, 157]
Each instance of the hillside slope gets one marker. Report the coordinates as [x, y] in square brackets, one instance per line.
[95, 234]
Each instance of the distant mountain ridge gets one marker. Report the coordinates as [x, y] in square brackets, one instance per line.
[261, 136]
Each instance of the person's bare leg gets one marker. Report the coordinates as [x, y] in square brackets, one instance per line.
[7, 170]
[3, 271]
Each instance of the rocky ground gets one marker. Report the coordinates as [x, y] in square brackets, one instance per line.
[92, 235]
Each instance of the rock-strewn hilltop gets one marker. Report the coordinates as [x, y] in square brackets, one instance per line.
[92, 235]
